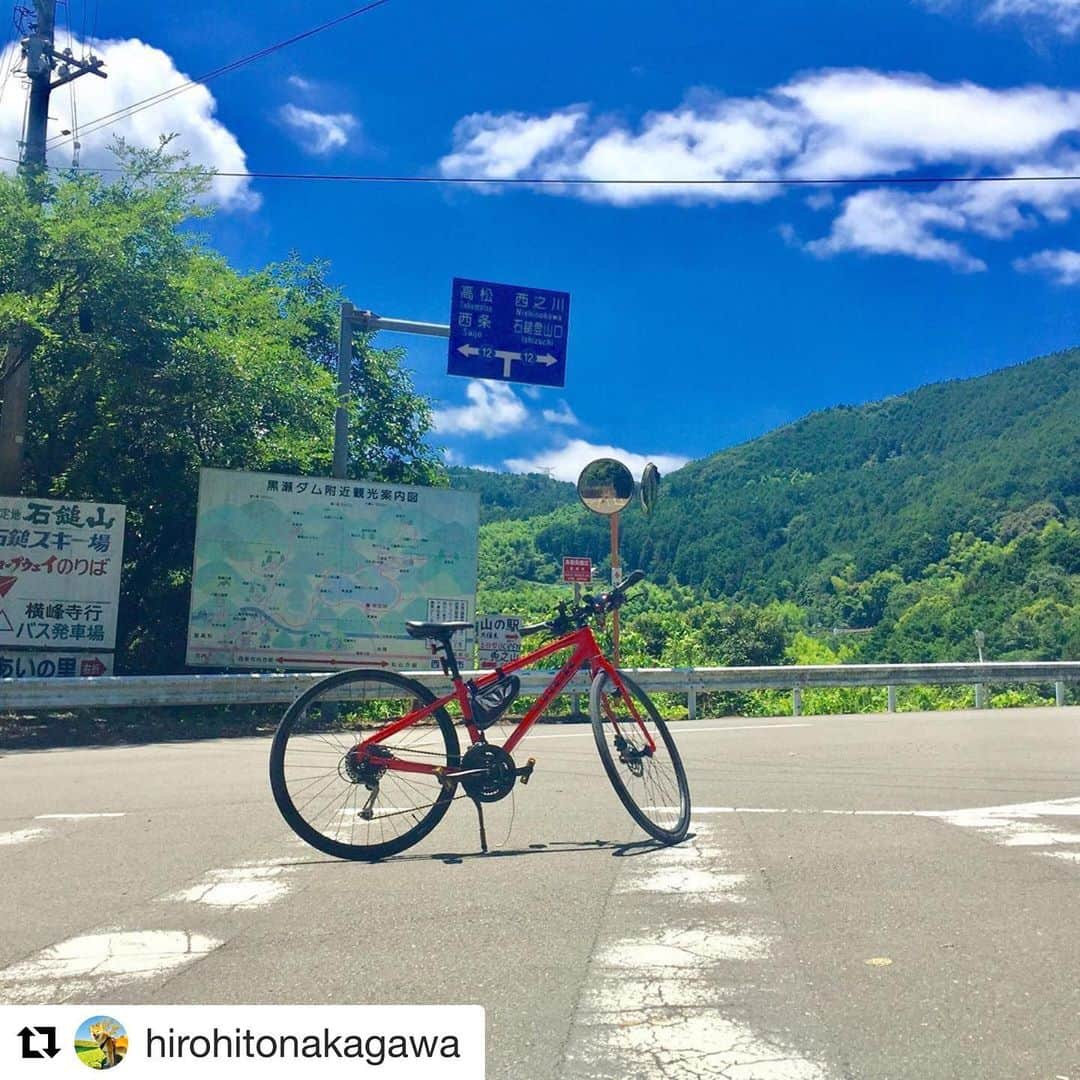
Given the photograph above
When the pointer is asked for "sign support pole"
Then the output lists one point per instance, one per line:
(352, 319)
(575, 699)
(344, 378)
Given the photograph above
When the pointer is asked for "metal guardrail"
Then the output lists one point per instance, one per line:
(142, 691)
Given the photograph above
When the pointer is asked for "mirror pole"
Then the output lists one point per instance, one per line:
(615, 578)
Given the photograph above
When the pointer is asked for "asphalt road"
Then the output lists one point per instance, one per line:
(872, 897)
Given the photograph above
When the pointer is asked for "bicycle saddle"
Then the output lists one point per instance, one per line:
(436, 631)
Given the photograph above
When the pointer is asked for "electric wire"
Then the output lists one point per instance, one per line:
(71, 88)
(108, 119)
(610, 181)
(10, 54)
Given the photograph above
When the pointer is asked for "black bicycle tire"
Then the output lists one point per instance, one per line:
(657, 832)
(296, 821)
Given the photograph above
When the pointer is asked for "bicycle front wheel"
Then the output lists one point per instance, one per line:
(352, 808)
(650, 781)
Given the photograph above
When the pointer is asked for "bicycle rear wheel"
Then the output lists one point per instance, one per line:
(651, 783)
(351, 809)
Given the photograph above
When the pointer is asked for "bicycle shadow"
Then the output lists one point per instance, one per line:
(618, 849)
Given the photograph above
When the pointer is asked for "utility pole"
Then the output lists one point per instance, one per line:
(42, 60)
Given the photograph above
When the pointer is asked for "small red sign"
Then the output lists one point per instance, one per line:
(5, 585)
(576, 569)
(92, 667)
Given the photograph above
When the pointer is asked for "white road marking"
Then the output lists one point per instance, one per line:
(1020, 824)
(691, 882)
(22, 836)
(699, 1043)
(677, 948)
(75, 817)
(657, 1003)
(95, 964)
(1011, 825)
(235, 887)
(678, 730)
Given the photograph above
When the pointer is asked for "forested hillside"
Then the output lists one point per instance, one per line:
(512, 495)
(877, 486)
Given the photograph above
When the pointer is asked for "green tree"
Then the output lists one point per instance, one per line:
(155, 357)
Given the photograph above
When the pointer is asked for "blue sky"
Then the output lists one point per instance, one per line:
(700, 316)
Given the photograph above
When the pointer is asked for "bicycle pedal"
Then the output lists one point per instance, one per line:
(526, 770)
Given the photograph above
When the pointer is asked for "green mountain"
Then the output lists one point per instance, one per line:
(867, 487)
(505, 496)
(874, 486)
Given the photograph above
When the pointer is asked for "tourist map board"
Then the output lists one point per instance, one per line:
(310, 572)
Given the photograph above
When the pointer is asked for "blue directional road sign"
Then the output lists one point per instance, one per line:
(508, 332)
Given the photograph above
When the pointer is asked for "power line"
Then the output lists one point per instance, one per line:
(11, 59)
(108, 119)
(543, 181)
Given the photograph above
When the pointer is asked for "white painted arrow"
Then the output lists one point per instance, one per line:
(507, 358)
(468, 350)
(547, 359)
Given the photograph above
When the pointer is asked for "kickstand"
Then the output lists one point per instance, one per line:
(480, 817)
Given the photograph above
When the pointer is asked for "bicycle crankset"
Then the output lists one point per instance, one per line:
(494, 775)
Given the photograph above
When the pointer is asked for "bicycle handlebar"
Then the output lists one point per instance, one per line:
(591, 606)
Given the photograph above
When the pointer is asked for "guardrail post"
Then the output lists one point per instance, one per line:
(980, 695)
(691, 703)
(1059, 694)
(796, 702)
(891, 692)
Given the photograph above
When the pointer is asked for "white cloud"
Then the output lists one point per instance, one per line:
(887, 222)
(864, 121)
(837, 123)
(562, 415)
(566, 462)
(318, 133)
(1062, 16)
(833, 123)
(298, 82)
(504, 145)
(494, 410)
(136, 71)
(1062, 265)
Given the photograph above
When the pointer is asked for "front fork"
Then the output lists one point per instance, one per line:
(628, 754)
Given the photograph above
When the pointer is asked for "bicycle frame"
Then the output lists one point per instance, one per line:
(586, 653)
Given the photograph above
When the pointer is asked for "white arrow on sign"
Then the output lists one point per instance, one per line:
(507, 358)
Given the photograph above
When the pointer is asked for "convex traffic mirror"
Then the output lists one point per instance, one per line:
(605, 486)
(650, 487)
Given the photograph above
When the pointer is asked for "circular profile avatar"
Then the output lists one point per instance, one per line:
(101, 1042)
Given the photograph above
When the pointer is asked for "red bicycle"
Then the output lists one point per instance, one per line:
(365, 763)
